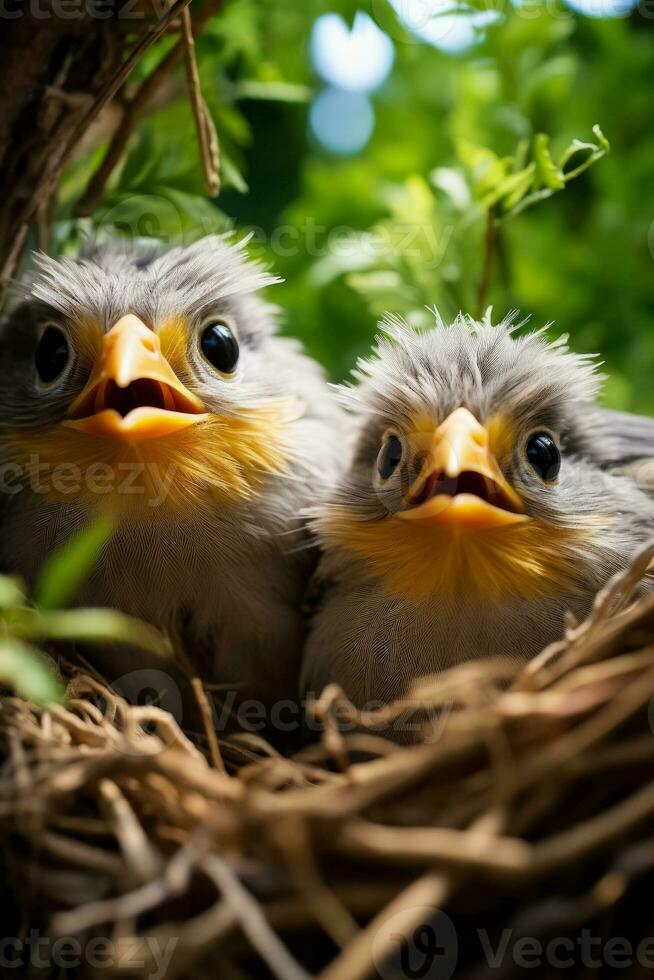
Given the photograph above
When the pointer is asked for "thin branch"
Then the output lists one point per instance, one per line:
(133, 109)
(114, 84)
(253, 922)
(459, 849)
(173, 881)
(140, 857)
(203, 123)
(288, 848)
(63, 149)
(207, 721)
(357, 961)
(14, 254)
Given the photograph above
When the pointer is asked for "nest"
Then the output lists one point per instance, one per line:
(516, 825)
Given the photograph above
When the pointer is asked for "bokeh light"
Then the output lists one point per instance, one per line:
(439, 23)
(357, 60)
(342, 122)
(602, 8)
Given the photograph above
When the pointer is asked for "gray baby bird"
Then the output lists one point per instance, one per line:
(487, 494)
(153, 388)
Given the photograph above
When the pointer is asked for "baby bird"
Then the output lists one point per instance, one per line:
(152, 387)
(487, 495)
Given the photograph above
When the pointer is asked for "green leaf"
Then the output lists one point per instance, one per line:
(486, 169)
(12, 592)
(29, 672)
(141, 164)
(601, 138)
(232, 176)
(547, 173)
(197, 216)
(277, 91)
(64, 573)
(90, 626)
(590, 152)
(542, 177)
(451, 182)
(514, 187)
(521, 155)
(526, 202)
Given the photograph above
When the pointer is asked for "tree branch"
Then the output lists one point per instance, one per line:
(66, 137)
(203, 123)
(133, 110)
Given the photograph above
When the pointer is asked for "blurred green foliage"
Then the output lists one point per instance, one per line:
(404, 224)
(28, 628)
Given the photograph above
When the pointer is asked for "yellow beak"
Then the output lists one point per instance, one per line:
(460, 483)
(133, 394)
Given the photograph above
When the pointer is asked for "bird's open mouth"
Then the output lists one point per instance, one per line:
(470, 499)
(467, 482)
(133, 394)
(462, 485)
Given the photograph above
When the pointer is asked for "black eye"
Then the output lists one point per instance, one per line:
(390, 456)
(51, 354)
(543, 455)
(220, 348)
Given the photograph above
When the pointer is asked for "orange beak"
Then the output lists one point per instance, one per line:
(133, 394)
(460, 484)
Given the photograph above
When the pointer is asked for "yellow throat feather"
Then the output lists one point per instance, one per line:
(526, 560)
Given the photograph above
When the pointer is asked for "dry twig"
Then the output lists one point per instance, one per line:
(531, 792)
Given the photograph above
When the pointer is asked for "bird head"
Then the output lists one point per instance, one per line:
(479, 467)
(165, 365)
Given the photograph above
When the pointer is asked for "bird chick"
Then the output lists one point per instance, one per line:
(484, 499)
(152, 387)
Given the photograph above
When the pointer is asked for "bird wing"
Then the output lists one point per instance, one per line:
(632, 446)
(632, 435)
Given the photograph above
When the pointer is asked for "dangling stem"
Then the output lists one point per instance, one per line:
(133, 111)
(203, 123)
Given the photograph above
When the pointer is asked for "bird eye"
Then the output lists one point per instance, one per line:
(220, 347)
(390, 456)
(51, 355)
(543, 455)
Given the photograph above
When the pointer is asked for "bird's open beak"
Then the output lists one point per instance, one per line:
(133, 394)
(460, 483)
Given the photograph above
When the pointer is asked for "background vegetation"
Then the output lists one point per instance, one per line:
(402, 221)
